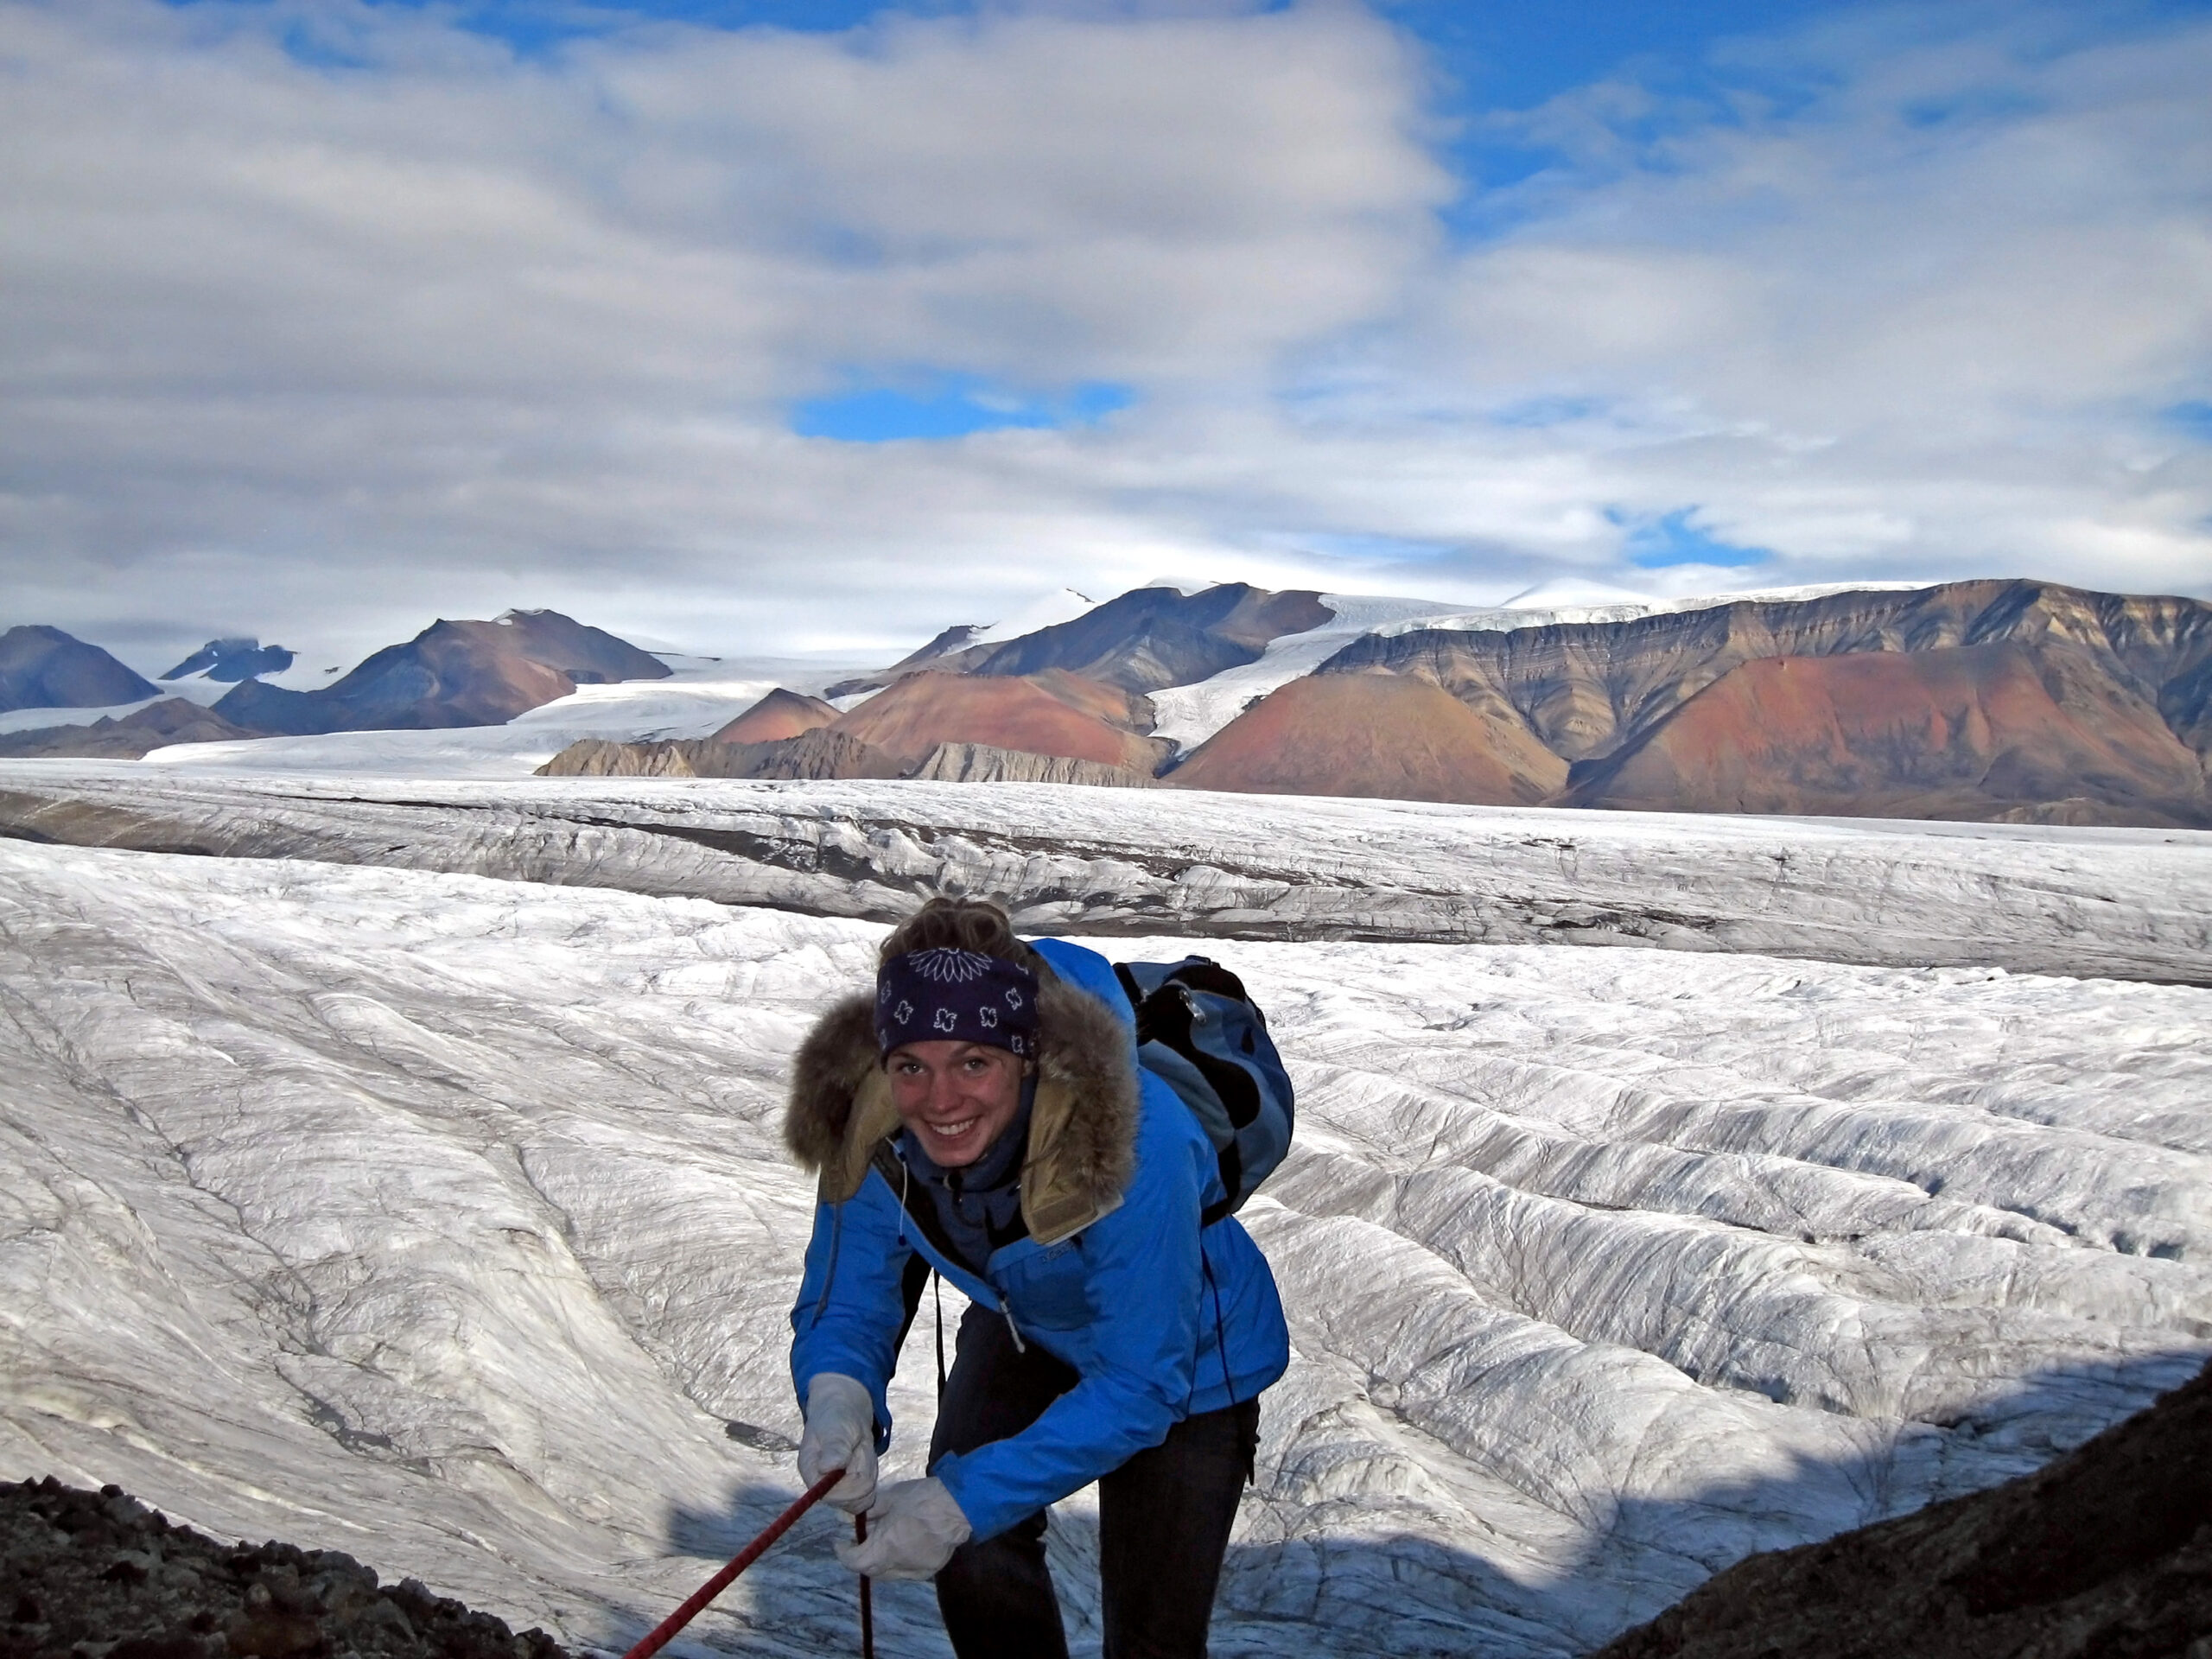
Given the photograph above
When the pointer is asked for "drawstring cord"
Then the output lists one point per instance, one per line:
(936, 1289)
(830, 1278)
(1220, 1335)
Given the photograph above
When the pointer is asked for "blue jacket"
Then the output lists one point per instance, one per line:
(1158, 1319)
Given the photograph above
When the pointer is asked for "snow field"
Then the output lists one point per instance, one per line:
(445, 1221)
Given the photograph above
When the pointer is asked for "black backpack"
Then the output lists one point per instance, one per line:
(1200, 1033)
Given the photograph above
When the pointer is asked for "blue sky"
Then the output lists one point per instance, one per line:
(733, 322)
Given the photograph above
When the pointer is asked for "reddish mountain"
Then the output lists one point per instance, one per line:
(1586, 689)
(1385, 736)
(1973, 732)
(452, 674)
(779, 715)
(1055, 714)
(45, 668)
(1972, 699)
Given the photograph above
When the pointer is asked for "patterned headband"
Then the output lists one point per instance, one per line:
(961, 996)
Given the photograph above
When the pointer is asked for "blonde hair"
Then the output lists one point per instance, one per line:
(973, 925)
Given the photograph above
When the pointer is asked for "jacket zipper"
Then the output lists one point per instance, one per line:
(926, 1223)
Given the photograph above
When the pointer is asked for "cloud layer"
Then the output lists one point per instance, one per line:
(326, 318)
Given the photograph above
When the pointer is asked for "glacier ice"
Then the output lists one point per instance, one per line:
(443, 1219)
(2134, 903)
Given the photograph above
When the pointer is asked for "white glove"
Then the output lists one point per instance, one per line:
(840, 1434)
(912, 1529)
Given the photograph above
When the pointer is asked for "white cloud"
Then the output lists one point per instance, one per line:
(319, 351)
(1927, 317)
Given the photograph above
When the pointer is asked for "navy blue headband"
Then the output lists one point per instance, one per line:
(961, 996)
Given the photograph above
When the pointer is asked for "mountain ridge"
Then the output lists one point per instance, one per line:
(1143, 640)
(2124, 674)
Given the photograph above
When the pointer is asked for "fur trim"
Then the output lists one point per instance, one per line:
(830, 1066)
(1083, 1128)
(1083, 1132)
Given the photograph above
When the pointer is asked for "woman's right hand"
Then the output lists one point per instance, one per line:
(840, 1434)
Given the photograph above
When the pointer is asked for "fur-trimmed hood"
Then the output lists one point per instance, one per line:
(1082, 1129)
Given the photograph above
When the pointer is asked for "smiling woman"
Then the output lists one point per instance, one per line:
(982, 1116)
(955, 1098)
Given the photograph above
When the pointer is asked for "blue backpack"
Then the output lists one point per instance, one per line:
(1200, 1033)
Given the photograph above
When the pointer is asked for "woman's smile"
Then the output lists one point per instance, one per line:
(957, 1098)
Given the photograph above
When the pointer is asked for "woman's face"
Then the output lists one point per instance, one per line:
(957, 1097)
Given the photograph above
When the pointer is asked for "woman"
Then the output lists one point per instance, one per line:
(982, 1115)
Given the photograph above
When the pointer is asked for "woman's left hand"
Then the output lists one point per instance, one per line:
(912, 1529)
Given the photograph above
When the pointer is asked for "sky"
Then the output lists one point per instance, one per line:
(787, 328)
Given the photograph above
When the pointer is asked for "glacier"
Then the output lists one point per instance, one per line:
(407, 1179)
(2130, 904)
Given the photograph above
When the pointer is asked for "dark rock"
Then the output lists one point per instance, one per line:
(175, 1645)
(182, 1596)
(2105, 1552)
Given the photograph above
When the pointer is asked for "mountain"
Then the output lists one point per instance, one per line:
(1971, 700)
(451, 674)
(233, 659)
(1973, 732)
(818, 753)
(1053, 727)
(1388, 736)
(978, 763)
(45, 668)
(2107, 1551)
(172, 719)
(1053, 713)
(958, 636)
(779, 715)
(1587, 689)
(1146, 639)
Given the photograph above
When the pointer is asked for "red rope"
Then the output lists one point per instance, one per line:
(666, 1630)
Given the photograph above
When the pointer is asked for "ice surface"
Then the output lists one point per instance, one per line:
(2127, 902)
(444, 1220)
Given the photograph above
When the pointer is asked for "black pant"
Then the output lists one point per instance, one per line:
(1163, 1516)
